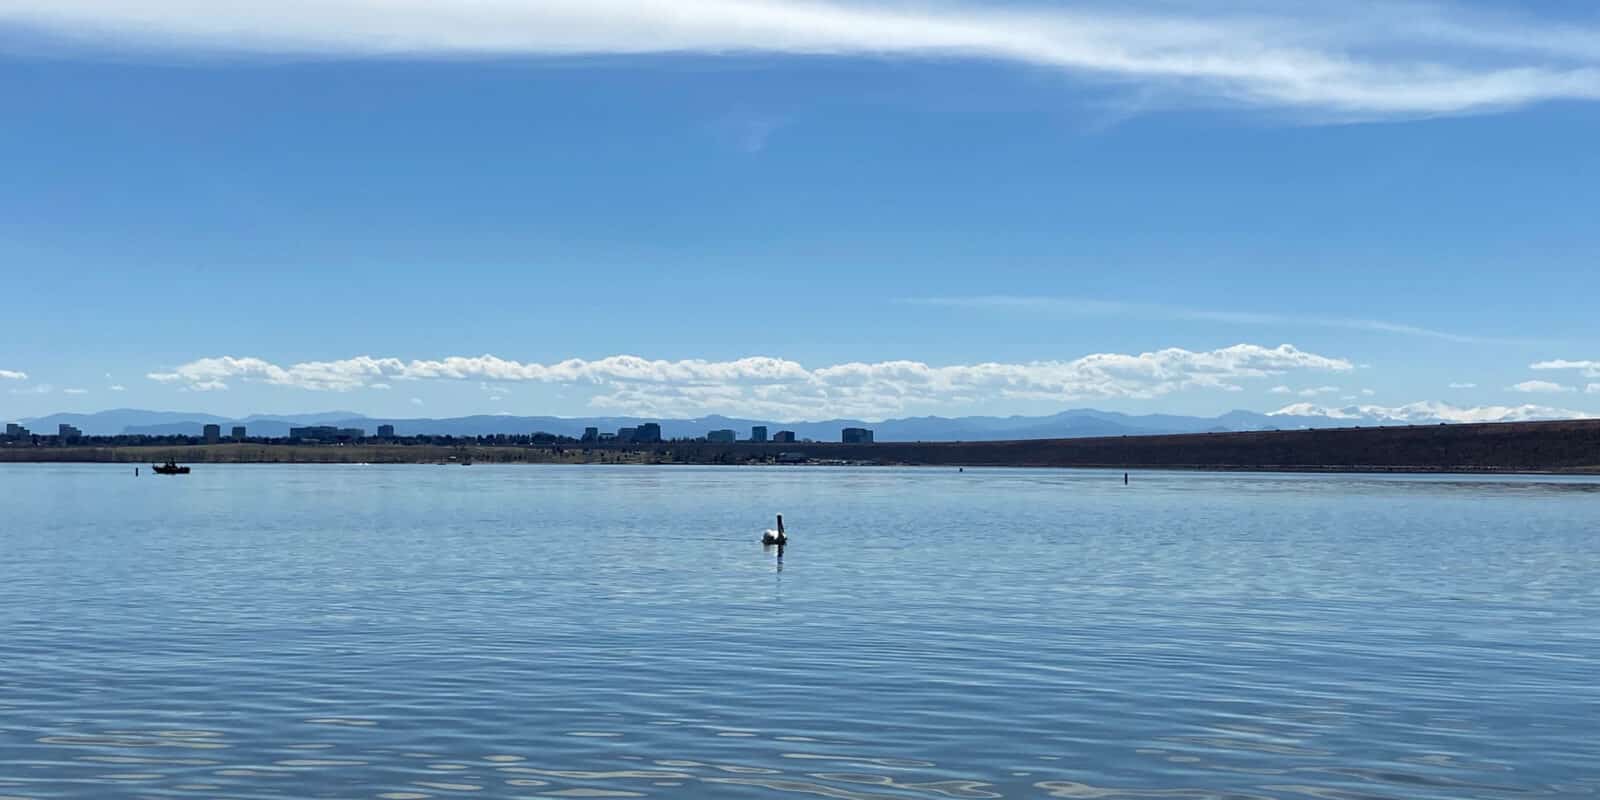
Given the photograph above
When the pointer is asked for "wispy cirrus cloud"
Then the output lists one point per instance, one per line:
(13, 375)
(786, 389)
(1362, 58)
(1073, 306)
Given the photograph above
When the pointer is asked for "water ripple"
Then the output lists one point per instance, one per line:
(405, 633)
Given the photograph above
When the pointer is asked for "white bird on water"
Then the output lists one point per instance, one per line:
(776, 537)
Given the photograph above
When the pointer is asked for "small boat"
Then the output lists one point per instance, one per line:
(169, 468)
(776, 537)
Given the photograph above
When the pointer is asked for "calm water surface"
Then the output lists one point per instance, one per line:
(417, 632)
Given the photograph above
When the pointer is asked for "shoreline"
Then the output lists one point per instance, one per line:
(1574, 472)
(1568, 447)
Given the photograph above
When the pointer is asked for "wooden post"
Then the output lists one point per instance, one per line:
(780, 524)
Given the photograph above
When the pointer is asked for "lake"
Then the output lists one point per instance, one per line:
(430, 631)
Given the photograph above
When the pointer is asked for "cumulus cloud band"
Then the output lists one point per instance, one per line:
(1426, 412)
(1588, 369)
(785, 388)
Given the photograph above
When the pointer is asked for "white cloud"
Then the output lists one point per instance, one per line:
(1538, 387)
(1588, 369)
(1463, 385)
(1431, 412)
(416, 401)
(1281, 390)
(74, 391)
(1084, 307)
(117, 387)
(1357, 58)
(1593, 388)
(786, 389)
(1368, 392)
(41, 388)
(1316, 390)
(12, 375)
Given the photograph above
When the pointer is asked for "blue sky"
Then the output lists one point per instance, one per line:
(798, 210)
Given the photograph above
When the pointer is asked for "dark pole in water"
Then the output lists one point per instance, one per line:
(135, 472)
(780, 525)
(1124, 479)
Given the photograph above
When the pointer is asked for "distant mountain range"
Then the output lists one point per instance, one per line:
(1075, 423)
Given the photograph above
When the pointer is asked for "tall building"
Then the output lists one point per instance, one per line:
(326, 433)
(758, 433)
(783, 436)
(591, 435)
(648, 432)
(15, 431)
(66, 433)
(213, 433)
(856, 436)
(238, 433)
(723, 436)
(385, 431)
(626, 434)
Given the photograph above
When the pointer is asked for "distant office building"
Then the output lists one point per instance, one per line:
(66, 434)
(326, 433)
(212, 433)
(783, 436)
(647, 433)
(608, 437)
(238, 433)
(385, 431)
(626, 434)
(15, 431)
(591, 435)
(856, 436)
(758, 433)
(722, 437)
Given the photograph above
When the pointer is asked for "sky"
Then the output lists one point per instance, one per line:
(798, 210)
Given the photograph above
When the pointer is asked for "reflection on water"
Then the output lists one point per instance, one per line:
(408, 633)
